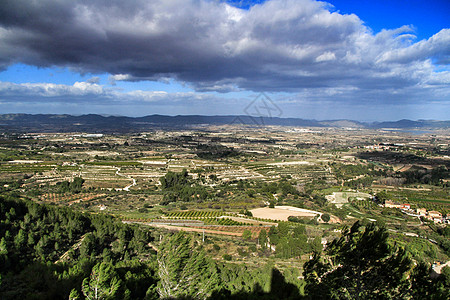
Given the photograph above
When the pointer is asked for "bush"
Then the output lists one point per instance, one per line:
(242, 252)
(247, 234)
(227, 257)
(296, 219)
(246, 212)
(326, 218)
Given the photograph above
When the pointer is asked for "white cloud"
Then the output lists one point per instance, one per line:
(9, 89)
(326, 57)
(85, 92)
(437, 46)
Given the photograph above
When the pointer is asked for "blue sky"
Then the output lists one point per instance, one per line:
(362, 60)
(427, 17)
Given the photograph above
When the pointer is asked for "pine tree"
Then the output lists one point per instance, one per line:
(184, 271)
(4, 263)
(103, 282)
(74, 295)
(426, 286)
(20, 239)
(360, 264)
(247, 234)
(3, 246)
(262, 238)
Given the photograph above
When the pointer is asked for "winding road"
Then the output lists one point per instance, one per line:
(127, 188)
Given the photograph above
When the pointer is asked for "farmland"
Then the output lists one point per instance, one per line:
(255, 194)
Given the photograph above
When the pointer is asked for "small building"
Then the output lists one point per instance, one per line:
(437, 268)
(405, 206)
(391, 204)
(435, 214)
(421, 211)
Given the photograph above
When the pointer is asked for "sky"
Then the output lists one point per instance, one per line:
(363, 60)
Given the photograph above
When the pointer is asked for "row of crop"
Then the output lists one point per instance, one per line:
(32, 168)
(263, 219)
(212, 221)
(224, 222)
(196, 214)
(189, 218)
(367, 204)
(114, 163)
(209, 214)
(239, 229)
(206, 221)
(56, 197)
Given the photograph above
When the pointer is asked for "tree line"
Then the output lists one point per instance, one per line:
(181, 187)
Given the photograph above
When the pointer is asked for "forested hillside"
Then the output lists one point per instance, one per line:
(47, 251)
(51, 252)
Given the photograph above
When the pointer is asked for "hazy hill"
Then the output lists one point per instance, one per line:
(99, 123)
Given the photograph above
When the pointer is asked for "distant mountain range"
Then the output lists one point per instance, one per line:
(99, 123)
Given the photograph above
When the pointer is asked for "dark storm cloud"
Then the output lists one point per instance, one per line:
(276, 46)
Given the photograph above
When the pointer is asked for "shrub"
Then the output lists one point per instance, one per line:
(247, 234)
(326, 218)
(227, 257)
(242, 252)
